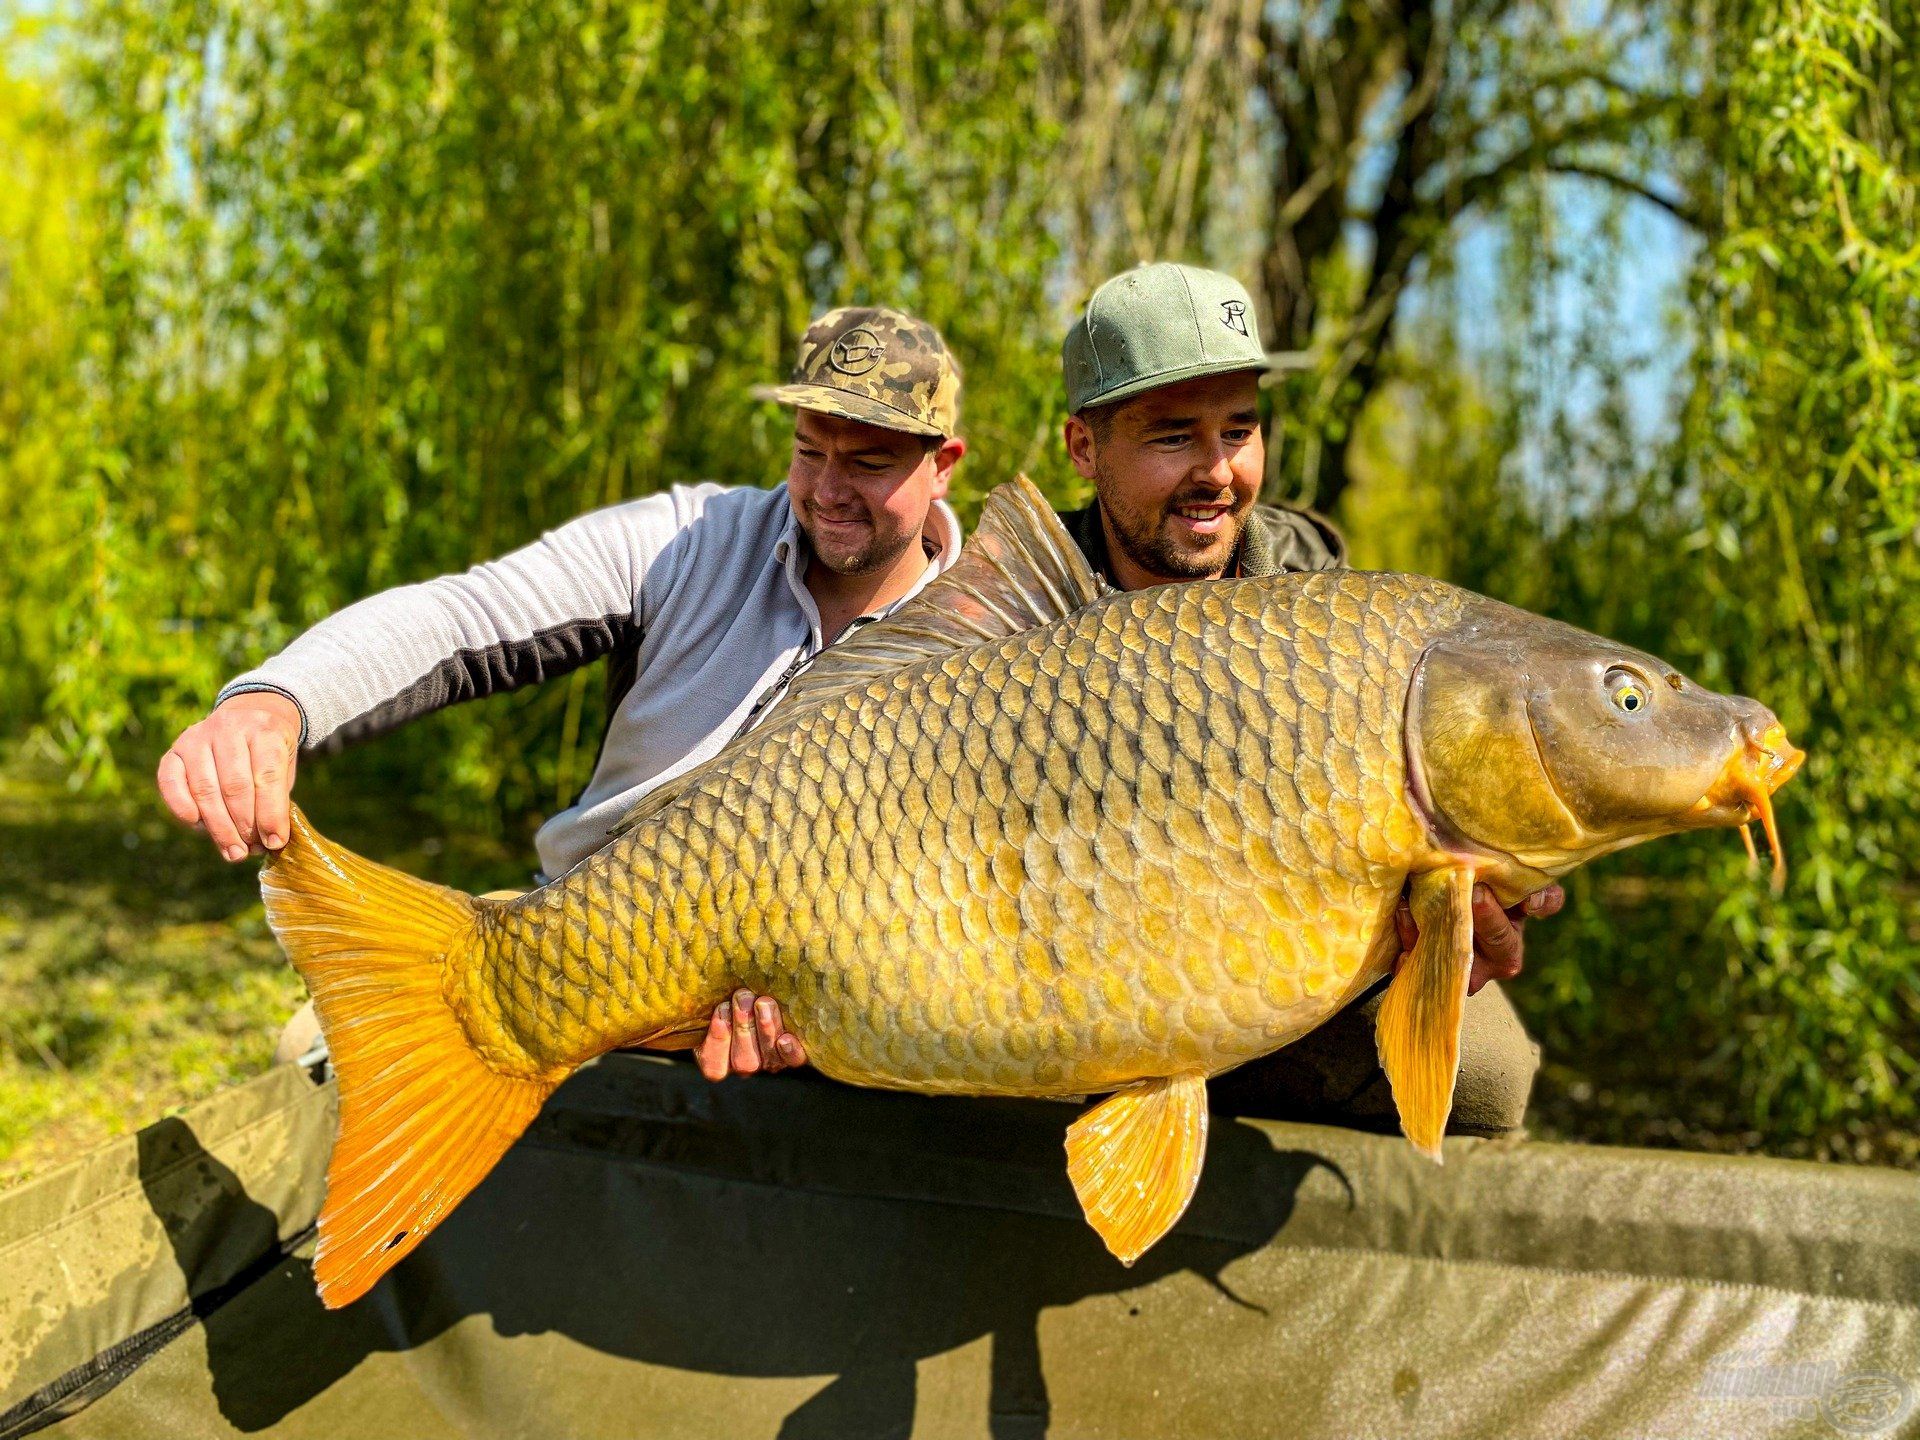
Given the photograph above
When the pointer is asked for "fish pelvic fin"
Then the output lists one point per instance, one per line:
(423, 1116)
(1135, 1160)
(1417, 1029)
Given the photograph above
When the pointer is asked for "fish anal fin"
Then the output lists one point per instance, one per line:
(1417, 1028)
(1135, 1159)
(423, 1116)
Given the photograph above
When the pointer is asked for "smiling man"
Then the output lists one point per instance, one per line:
(1163, 375)
(705, 600)
(1162, 372)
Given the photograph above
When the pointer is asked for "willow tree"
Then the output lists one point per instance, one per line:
(1769, 544)
(1806, 433)
(1330, 153)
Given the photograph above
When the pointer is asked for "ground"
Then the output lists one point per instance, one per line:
(137, 975)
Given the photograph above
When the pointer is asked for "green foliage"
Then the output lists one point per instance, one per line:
(1772, 548)
(387, 290)
(1807, 423)
(300, 299)
(46, 199)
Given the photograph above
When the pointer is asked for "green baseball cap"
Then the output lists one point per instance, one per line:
(880, 366)
(1156, 325)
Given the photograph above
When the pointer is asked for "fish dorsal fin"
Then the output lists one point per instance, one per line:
(1019, 570)
(1135, 1159)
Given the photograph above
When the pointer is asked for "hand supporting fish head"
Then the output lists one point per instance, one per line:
(1538, 747)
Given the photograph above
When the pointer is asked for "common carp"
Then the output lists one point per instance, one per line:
(1029, 837)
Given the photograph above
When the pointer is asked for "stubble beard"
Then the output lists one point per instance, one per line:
(875, 555)
(1143, 538)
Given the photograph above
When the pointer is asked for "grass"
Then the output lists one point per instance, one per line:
(137, 974)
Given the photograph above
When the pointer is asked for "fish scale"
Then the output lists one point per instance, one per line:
(1050, 863)
(1022, 838)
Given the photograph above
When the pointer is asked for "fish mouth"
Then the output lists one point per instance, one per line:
(1743, 792)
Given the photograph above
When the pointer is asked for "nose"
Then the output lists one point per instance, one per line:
(1216, 465)
(832, 487)
(1753, 719)
(1767, 742)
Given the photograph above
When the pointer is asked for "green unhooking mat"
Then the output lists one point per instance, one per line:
(660, 1257)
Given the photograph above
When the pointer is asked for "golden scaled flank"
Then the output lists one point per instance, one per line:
(1049, 864)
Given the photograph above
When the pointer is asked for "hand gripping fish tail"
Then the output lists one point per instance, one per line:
(424, 1115)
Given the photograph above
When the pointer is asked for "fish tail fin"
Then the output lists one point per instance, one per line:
(423, 1116)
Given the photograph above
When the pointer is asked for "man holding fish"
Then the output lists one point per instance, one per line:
(707, 601)
(1162, 375)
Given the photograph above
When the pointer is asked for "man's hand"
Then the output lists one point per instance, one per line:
(1498, 946)
(746, 1036)
(232, 774)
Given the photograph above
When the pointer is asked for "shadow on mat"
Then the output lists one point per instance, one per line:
(761, 1269)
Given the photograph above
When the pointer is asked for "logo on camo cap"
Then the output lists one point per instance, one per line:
(880, 366)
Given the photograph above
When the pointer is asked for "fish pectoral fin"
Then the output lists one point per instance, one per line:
(1135, 1159)
(1417, 1029)
(686, 1035)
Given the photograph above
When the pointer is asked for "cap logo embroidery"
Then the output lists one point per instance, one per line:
(856, 352)
(1233, 315)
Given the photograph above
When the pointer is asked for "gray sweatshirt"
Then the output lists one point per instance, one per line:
(698, 595)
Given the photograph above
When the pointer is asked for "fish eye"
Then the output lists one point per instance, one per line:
(1628, 695)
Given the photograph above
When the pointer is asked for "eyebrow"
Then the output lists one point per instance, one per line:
(865, 452)
(1249, 416)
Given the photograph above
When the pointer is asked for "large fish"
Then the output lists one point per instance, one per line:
(1029, 838)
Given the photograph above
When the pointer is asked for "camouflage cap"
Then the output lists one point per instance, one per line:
(880, 366)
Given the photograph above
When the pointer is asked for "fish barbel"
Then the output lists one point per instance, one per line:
(1029, 838)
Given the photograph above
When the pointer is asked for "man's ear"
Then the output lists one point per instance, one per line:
(1082, 448)
(944, 459)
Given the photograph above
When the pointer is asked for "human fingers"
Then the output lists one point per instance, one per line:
(171, 777)
(745, 1057)
(792, 1051)
(203, 783)
(1403, 922)
(1542, 903)
(711, 1053)
(767, 1027)
(1498, 948)
(235, 764)
(273, 764)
